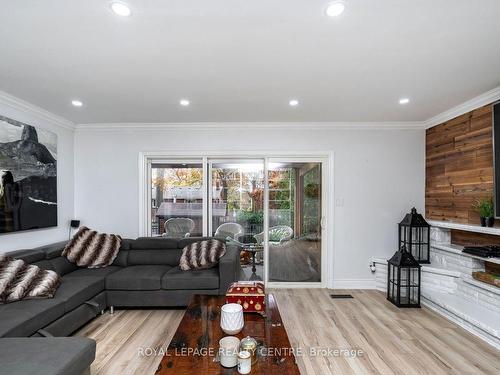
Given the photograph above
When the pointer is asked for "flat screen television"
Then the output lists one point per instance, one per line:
(496, 156)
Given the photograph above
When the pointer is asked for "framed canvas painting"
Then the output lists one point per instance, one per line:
(28, 172)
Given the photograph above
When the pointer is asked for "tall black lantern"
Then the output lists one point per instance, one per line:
(414, 235)
(403, 279)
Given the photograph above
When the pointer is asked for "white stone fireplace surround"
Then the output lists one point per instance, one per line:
(448, 287)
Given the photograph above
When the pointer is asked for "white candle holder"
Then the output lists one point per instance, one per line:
(231, 318)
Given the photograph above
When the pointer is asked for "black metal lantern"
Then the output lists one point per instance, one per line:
(403, 279)
(415, 235)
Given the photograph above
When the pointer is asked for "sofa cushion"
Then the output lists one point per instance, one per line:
(44, 264)
(100, 273)
(193, 279)
(29, 256)
(137, 278)
(126, 242)
(76, 290)
(168, 257)
(24, 318)
(46, 355)
(52, 250)
(153, 243)
(121, 258)
(62, 266)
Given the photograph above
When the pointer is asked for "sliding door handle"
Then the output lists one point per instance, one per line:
(323, 222)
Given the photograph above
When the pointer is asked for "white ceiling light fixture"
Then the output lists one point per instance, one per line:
(77, 103)
(184, 102)
(404, 101)
(293, 103)
(121, 9)
(335, 8)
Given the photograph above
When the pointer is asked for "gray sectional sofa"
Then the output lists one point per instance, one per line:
(144, 274)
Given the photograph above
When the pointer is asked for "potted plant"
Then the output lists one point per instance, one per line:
(485, 209)
(251, 220)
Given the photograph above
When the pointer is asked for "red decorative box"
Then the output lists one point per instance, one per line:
(250, 294)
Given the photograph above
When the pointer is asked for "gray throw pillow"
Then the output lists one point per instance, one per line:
(202, 254)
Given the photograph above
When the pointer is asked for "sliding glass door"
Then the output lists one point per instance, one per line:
(237, 209)
(295, 211)
(273, 209)
(177, 194)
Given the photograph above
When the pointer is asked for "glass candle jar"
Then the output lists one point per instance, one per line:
(249, 344)
(244, 362)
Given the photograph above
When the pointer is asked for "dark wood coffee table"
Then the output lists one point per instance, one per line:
(196, 341)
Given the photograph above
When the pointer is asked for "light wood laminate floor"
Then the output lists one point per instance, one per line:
(392, 340)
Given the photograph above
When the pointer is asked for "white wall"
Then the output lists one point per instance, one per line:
(379, 175)
(22, 111)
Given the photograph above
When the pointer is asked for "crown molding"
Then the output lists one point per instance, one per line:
(210, 126)
(479, 101)
(474, 103)
(21, 105)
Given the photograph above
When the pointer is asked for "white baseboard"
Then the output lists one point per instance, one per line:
(354, 284)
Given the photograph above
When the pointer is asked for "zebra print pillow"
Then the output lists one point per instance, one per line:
(90, 249)
(20, 280)
(202, 254)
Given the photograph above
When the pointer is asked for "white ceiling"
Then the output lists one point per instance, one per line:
(242, 60)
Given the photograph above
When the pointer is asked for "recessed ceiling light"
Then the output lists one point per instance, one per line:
(77, 103)
(121, 9)
(404, 101)
(184, 102)
(293, 103)
(335, 9)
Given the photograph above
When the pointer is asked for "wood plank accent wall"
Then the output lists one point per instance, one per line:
(459, 166)
(463, 238)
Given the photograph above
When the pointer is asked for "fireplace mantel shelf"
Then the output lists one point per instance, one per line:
(457, 249)
(464, 227)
